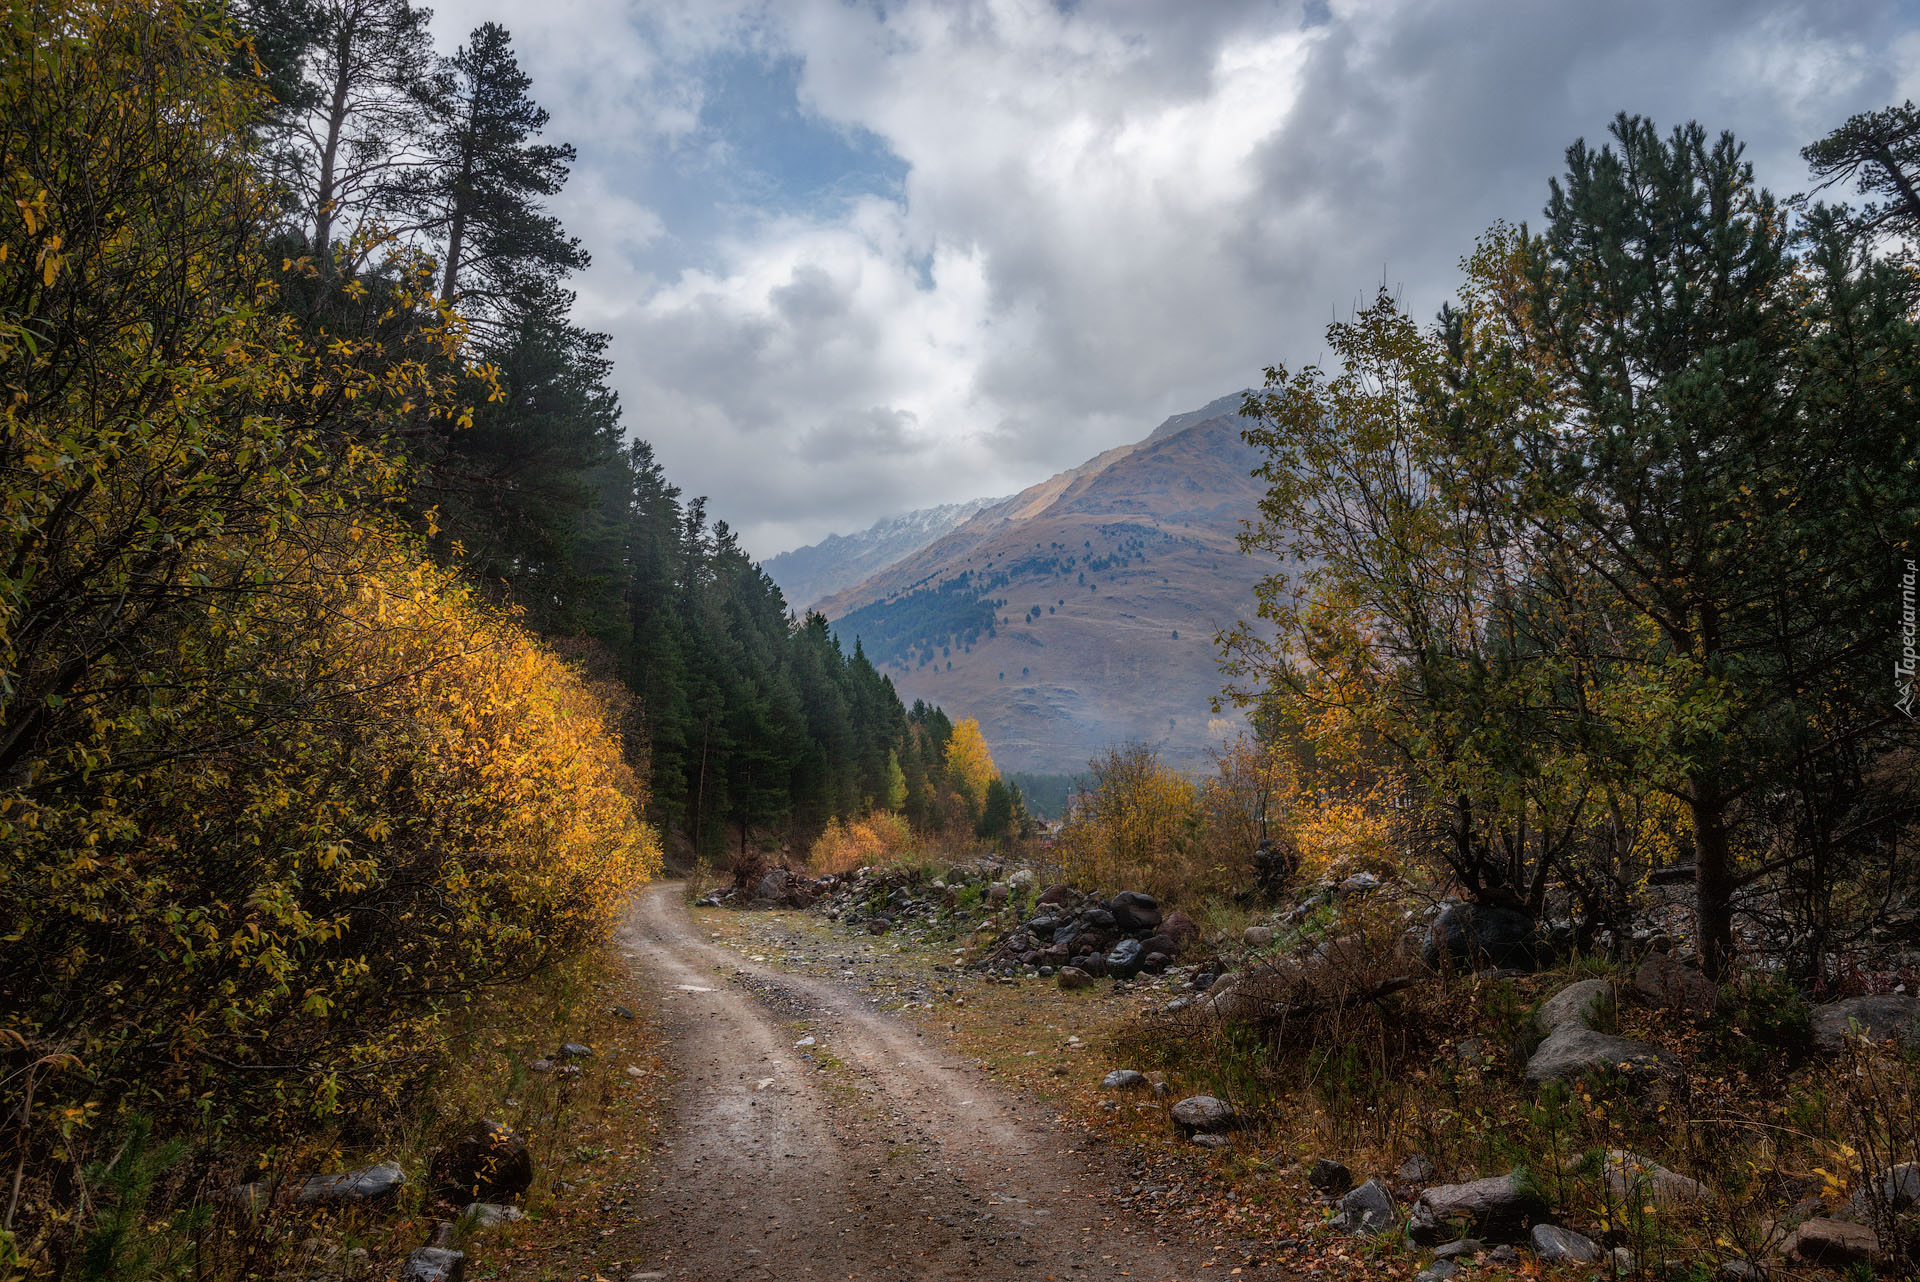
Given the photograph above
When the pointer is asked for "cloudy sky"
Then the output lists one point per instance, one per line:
(862, 256)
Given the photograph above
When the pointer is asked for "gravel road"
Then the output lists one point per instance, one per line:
(870, 1154)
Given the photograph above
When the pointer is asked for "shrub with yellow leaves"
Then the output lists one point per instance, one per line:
(881, 838)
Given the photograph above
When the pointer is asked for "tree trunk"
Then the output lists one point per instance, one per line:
(1712, 881)
(330, 156)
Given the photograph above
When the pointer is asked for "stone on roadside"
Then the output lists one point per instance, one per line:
(1416, 1169)
(1634, 1180)
(1072, 977)
(482, 1216)
(1580, 1004)
(1576, 1050)
(368, 1184)
(1330, 1177)
(1497, 1206)
(1367, 1210)
(1555, 1245)
(434, 1264)
(1124, 1079)
(1203, 1113)
(1257, 936)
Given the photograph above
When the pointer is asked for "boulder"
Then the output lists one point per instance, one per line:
(1498, 1206)
(1896, 1189)
(1203, 1113)
(1072, 977)
(1576, 1050)
(368, 1184)
(1330, 1177)
(1257, 936)
(481, 1216)
(1057, 894)
(487, 1162)
(1894, 1016)
(1555, 1245)
(1416, 1169)
(1180, 928)
(1135, 910)
(998, 893)
(1482, 937)
(1161, 943)
(1580, 1004)
(1359, 884)
(1468, 1246)
(1634, 1181)
(1155, 963)
(1367, 1210)
(1124, 1079)
(1126, 959)
(1022, 880)
(1670, 984)
(434, 1264)
(1832, 1244)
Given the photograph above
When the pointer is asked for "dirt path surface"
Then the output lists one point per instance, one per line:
(871, 1153)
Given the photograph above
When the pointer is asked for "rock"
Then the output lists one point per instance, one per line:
(1731, 1270)
(1180, 928)
(1330, 1177)
(1273, 867)
(1888, 1015)
(1160, 943)
(1458, 1247)
(1622, 1262)
(1833, 1244)
(998, 893)
(1438, 1271)
(1057, 894)
(1498, 1206)
(804, 1042)
(1257, 936)
(1367, 1210)
(774, 885)
(368, 1184)
(434, 1264)
(1211, 1141)
(1416, 1169)
(1895, 1189)
(1134, 911)
(1155, 963)
(1203, 1113)
(1580, 1004)
(1503, 1255)
(1576, 1050)
(1072, 977)
(1669, 984)
(1126, 959)
(574, 1050)
(879, 924)
(487, 1162)
(1483, 937)
(1359, 884)
(1099, 919)
(1124, 1079)
(482, 1216)
(1022, 880)
(540, 1066)
(1555, 1245)
(620, 1012)
(1634, 1181)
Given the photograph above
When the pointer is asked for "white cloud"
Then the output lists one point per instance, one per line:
(1110, 212)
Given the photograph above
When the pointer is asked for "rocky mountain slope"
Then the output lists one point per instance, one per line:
(841, 561)
(1082, 611)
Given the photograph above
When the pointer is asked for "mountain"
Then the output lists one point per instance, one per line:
(1081, 612)
(841, 561)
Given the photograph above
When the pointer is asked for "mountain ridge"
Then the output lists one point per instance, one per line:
(807, 575)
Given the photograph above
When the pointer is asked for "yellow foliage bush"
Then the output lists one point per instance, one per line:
(881, 838)
(1137, 827)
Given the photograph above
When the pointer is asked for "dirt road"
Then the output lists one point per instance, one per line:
(868, 1154)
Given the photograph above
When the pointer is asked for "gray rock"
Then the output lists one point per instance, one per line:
(1438, 1271)
(1205, 1140)
(1416, 1169)
(1669, 984)
(1833, 1244)
(1895, 1189)
(1458, 1247)
(1367, 1210)
(1576, 1050)
(1072, 977)
(1503, 1254)
(368, 1184)
(1498, 1206)
(1483, 937)
(1555, 1245)
(1134, 910)
(575, 1050)
(1878, 1018)
(1022, 880)
(1257, 936)
(1359, 884)
(481, 1216)
(1204, 1113)
(1580, 1004)
(998, 893)
(434, 1264)
(540, 1066)
(1330, 1177)
(1634, 1181)
(1126, 959)
(1124, 1079)
(1621, 1259)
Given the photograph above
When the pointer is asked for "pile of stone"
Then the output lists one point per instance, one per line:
(1080, 936)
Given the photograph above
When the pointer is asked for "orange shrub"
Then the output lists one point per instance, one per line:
(881, 838)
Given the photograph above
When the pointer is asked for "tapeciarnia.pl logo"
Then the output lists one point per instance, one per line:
(1904, 666)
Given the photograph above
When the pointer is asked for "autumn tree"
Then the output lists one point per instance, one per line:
(969, 765)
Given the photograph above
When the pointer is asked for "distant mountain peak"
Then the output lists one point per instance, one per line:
(810, 574)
